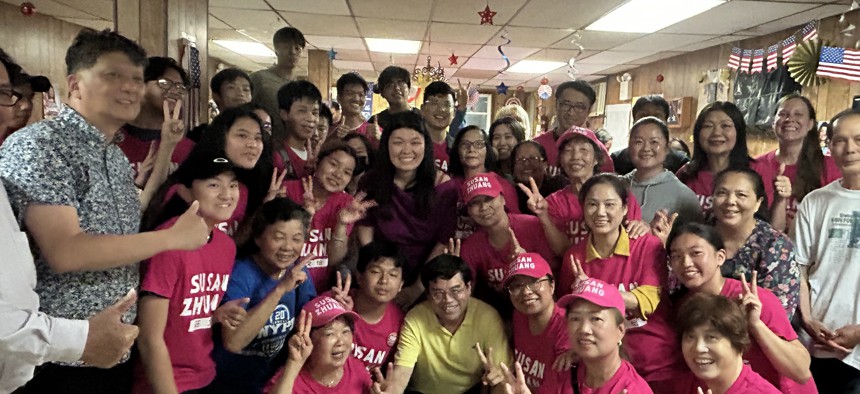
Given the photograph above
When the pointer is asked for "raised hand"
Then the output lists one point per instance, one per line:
(173, 128)
(517, 250)
(579, 274)
(515, 382)
(300, 346)
(108, 338)
(340, 291)
(190, 231)
(310, 202)
(232, 313)
(637, 228)
(276, 186)
(462, 95)
(356, 210)
(536, 202)
(380, 384)
(453, 247)
(781, 184)
(749, 299)
(700, 391)
(373, 129)
(145, 167)
(661, 225)
(295, 275)
(342, 130)
(492, 375)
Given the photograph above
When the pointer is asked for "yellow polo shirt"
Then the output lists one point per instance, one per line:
(446, 363)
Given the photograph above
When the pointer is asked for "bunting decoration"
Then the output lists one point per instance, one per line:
(746, 58)
(810, 31)
(735, 59)
(772, 57)
(767, 59)
(757, 61)
(788, 47)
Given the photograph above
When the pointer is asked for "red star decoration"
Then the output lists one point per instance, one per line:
(453, 59)
(487, 16)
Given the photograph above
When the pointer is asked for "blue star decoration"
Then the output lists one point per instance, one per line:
(502, 89)
(332, 54)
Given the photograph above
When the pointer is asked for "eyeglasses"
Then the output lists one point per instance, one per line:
(465, 146)
(168, 85)
(447, 106)
(565, 106)
(440, 295)
(517, 288)
(530, 160)
(9, 97)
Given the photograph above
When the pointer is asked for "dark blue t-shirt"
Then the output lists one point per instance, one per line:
(249, 371)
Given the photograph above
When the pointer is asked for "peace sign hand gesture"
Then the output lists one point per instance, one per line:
(172, 129)
(462, 95)
(276, 186)
(517, 250)
(453, 247)
(293, 277)
(340, 292)
(536, 202)
(356, 210)
(492, 375)
(662, 224)
(300, 345)
(310, 202)
(515, 384)
(749, 299)
(579, 274)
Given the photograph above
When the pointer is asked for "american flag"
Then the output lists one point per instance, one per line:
(735, 58)
(746, 57)
(839, 63)
(772, 57)
(788, 46)
(758, 59)
(809, 32)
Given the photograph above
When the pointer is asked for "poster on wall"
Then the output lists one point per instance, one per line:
(756, 95)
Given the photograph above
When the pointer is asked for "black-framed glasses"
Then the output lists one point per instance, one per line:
(565, 106)
(9, 97)
(516, 289)
(465, 146)
(168, 85)
(530, 160)
(440, 295)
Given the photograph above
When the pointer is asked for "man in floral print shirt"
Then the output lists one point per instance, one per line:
(72, 191)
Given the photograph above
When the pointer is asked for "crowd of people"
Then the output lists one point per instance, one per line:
(290, 245)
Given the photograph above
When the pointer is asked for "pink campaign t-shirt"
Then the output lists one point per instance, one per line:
(355, 380)
(703, 183)
(194, 283)
(440, 155)
(769, 167)
(374, 344)
(230, 226)
(322, 225)
(748, 382)
(773, 316)
(537, 353)
(566, 213)
(625, 378)
(489, 265)
(297, 164)
(136, 149)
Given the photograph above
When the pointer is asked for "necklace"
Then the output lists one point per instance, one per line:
(338, 374)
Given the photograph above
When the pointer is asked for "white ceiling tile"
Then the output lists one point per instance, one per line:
(489, 52)
(215, 23)
(249, 19)
(661, 42)
(483, 64)
(710, 43)
(464, 74)
(226, 34)
(531, 36)
(590, 78)
(96, 24)
(516, 76)
(796, 20)
(460, 33)
(597, 40)
(619, 69)
(560, 55)
(656, 57)
(244, 4)
(346, 65)
(322, 25)
(352, 54)
(735, 16)
(326, 7)
(567, 14)
(336, 42)
(404, 10)
(393, 29)
(101, 9)
(458, 12)
(613, 57)
(378, 57)
(582, 68)
(445, 48)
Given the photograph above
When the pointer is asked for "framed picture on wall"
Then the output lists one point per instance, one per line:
(680, 112)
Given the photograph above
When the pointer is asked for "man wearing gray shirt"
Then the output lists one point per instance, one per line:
(289, 43)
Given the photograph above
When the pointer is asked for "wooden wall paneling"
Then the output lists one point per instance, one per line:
(127, 18)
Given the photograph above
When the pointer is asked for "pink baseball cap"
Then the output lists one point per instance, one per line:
(324, 309)
(597, 292)
(481, 185)
(575, 131)
(529, 264)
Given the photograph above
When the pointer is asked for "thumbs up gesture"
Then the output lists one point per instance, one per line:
(781, 184)
(108, 338)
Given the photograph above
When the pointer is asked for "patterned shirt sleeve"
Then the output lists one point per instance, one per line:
(778, 271)
(34, 172)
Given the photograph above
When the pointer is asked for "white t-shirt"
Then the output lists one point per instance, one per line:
(827, 241)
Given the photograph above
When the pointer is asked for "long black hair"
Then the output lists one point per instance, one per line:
(738, 157)
(379, 182)
(455, 163)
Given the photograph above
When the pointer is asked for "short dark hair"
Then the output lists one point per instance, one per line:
(517, 128)
(156, 66)
(289, 35)
(717, 311)
(296, 91)
(664, 130)
(605, 178)
(89, 45)
(436, 88)
(682, 143)
(580, 86)
(325, 112)
(757, 183)
(12, 68)
(390, 74)
(444, 266)
(651, 99)
(336, 145)
(350, 79)
(603, 136)
(271, 212)
(516, 150)
(379, 249)
(455, 162)
(228, 75)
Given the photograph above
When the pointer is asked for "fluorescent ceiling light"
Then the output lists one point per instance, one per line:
(648, 16)
(249, 48)
(535, 66)
(392, 46)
